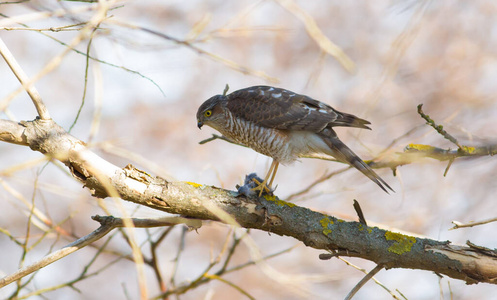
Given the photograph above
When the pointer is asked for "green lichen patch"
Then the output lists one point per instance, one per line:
(325, 222)
(278, 201)
(403, 243)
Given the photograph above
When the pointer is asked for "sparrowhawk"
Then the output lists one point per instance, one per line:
(283, 125)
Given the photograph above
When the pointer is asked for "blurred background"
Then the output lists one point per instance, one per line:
(142, 96)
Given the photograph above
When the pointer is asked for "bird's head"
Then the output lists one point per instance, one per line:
(211, 112)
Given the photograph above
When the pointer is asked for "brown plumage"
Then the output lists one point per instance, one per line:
(283, 125)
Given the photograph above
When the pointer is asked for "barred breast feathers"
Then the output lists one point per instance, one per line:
(268, 141)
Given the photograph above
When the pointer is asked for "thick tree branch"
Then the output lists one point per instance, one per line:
(268, 213)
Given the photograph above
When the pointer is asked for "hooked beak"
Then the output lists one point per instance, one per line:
(200, 124)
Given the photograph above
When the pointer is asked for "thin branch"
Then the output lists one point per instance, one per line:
(27, 83)
(185, 287)
(154, 260)
(83, 275)
(181, 247)
(48, 14)
(229, 63)
(236, 242)
(91, 57)
(149, 223)
(71, 27)
(85, 85)
(252, 262)
(216, 137)
(107, 224)
(45, 261)
(226, 88)
(239, 289)
(24, 80)
(373, 278)
(316, 182)
(458, 225)
(317, 35)
(359, 212)
(363, 281)
(438, 128)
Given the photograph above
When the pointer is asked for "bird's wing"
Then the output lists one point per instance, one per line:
(282, 109)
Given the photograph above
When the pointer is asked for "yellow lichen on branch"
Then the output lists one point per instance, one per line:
(403, 243)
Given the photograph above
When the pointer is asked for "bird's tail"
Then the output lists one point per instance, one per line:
(343, 153)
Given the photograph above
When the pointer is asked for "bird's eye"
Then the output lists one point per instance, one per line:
(208, 113)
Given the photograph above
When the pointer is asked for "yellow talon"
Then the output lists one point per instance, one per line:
(261, 186)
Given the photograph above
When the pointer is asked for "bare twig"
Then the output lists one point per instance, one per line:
(458, 225)
(438, 128)
(27, 83)
(229, 63)
(215, 137)
(363, 281)
(373, 278)
(397, 52)
(106, 225)
(47, 14)
(24, 80)
(85, 86)
(71, 27)
(149, 223)
(185, 287)
(226, 88)
(89, 56)
(359, 212)
(181, 247)
(317, 35)
(316, 182)
(202, 278)
(154, 260)
(45, 261)
(242, 291)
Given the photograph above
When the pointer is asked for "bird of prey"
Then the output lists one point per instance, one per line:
(284, 126)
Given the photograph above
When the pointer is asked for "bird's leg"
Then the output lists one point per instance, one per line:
(276, 164)
(261, 186)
